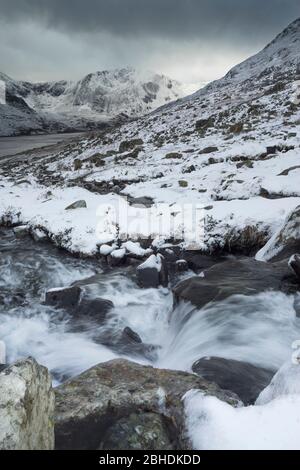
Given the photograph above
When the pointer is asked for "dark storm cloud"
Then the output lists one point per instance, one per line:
(191, 40)
(166, 18)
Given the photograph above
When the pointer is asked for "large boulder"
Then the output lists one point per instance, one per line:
(26, 407)
(153, 272)
(124, 405)
(235, 277)
(242, 378)
(285, 242)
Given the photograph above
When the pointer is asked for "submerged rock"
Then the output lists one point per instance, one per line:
(26, 407)
(112, 405)
(235, 277)
(242, 378)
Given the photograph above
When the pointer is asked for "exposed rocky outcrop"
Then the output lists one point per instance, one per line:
(244, 379)
(26, 407)
(235, 277)
(285, 242)
(120, 403)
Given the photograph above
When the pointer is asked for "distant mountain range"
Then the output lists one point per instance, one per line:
(95, 101)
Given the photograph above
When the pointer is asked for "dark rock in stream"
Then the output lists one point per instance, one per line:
(295, 265)
(74, 301)
(236, 277)
(67, 297)
(115, 404)
(153, 272)
(130, 336)
(242, 378)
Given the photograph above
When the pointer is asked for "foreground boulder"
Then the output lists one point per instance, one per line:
(124, 405)
(26, 407)
(235, 277)
(244, 379)
(285, 242)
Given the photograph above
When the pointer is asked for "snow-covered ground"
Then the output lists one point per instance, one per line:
(232, 150)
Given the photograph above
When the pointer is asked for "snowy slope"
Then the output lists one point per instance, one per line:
(95, 99)
(233, 148)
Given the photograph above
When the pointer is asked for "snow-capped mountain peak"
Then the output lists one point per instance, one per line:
(94, 100)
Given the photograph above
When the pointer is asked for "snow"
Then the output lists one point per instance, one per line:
(286, 382)
(118, 254)
(98, 97)
(106, 250)
(136, 249)
(215, 425)
(153, 262)
(204, 201)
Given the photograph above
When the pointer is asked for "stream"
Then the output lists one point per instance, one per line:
(258, 329)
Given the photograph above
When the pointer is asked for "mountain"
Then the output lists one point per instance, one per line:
(87, 104)
(232, 148)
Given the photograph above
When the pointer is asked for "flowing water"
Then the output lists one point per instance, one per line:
(258, 329)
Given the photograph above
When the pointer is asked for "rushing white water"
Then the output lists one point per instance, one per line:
(258, 329)
(28, 327)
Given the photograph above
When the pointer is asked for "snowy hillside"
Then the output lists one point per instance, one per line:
(232, 148)
(94, 100)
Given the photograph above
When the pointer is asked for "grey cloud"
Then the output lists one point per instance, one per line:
(166, 18)
(191, 40)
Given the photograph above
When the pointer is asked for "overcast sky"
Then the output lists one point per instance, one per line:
(190, 40)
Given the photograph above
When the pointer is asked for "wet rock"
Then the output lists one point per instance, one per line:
(286, 242)
(92, 410)
(182, 265)
(77, 205)
(66, 297)
(235, 277)
(74, 301)
(93, 308)
(130, 336)
(198, 262)
(294, 263)
(26, 407)
(153, 272)
(21, 231)
(242, 378)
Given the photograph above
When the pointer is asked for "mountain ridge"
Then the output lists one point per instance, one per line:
(90, 103)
